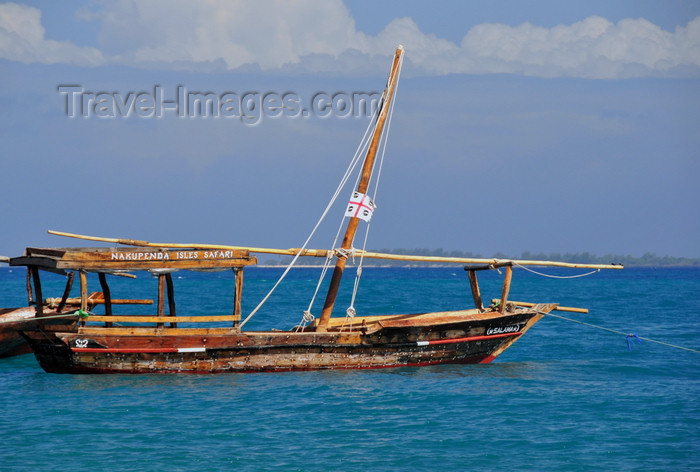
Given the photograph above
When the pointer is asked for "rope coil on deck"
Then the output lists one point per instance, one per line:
(306, 318)
(350, 314)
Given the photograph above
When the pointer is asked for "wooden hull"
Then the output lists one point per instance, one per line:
(14, 320)
(462, 337)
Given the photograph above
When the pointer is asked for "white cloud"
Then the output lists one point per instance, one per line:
(310, 36)
(22, 39)
(594, 48)
(269, 34)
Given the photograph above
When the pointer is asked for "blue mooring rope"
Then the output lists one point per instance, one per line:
(632, 337)
(628, 337)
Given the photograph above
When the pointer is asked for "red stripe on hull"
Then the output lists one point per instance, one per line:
(487, 359)
(167, 350)
(473, 338)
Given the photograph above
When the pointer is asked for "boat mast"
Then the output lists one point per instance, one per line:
(362, 187)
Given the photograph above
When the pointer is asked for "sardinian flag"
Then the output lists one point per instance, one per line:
(360, 206)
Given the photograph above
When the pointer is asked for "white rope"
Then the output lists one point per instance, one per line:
(346, 176)
(348, 172)
(307, 317)
(349, 315)
(556, 276)
(356, 286)
(361, 150)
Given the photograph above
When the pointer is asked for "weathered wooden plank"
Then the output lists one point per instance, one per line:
(55, 252)
(42, 262)
(557, 308)
(153, 331)
(163, 319)
(157, 258)
(131, 258)
(416, 318)
(100, 301)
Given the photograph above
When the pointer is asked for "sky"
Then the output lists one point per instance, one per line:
(541, 126)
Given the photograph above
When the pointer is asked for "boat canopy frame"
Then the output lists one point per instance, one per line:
(122, 261)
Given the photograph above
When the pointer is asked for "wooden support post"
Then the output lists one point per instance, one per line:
(506, 288)
(66, 292)
(83, 290)
(476, 292)
(30, 293)
(238, 293)
(83, 294)
(37, 290)
(107, 297)
(171, 298)
(161, 297)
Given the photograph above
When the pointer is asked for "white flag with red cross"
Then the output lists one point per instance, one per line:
(360, 206)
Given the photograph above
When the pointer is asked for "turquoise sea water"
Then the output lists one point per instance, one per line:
(564, 397)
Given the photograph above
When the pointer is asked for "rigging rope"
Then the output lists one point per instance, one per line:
(339, 188)
(307, 317)
(556, 276)
(627, 335)
(340, 252)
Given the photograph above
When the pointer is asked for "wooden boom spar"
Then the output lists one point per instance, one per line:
(355, 253)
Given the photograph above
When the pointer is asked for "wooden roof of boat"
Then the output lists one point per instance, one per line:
(133, 258)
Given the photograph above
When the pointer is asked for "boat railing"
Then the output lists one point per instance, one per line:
(158, 321)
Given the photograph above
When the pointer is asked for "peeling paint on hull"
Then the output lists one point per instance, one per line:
(97, 351)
